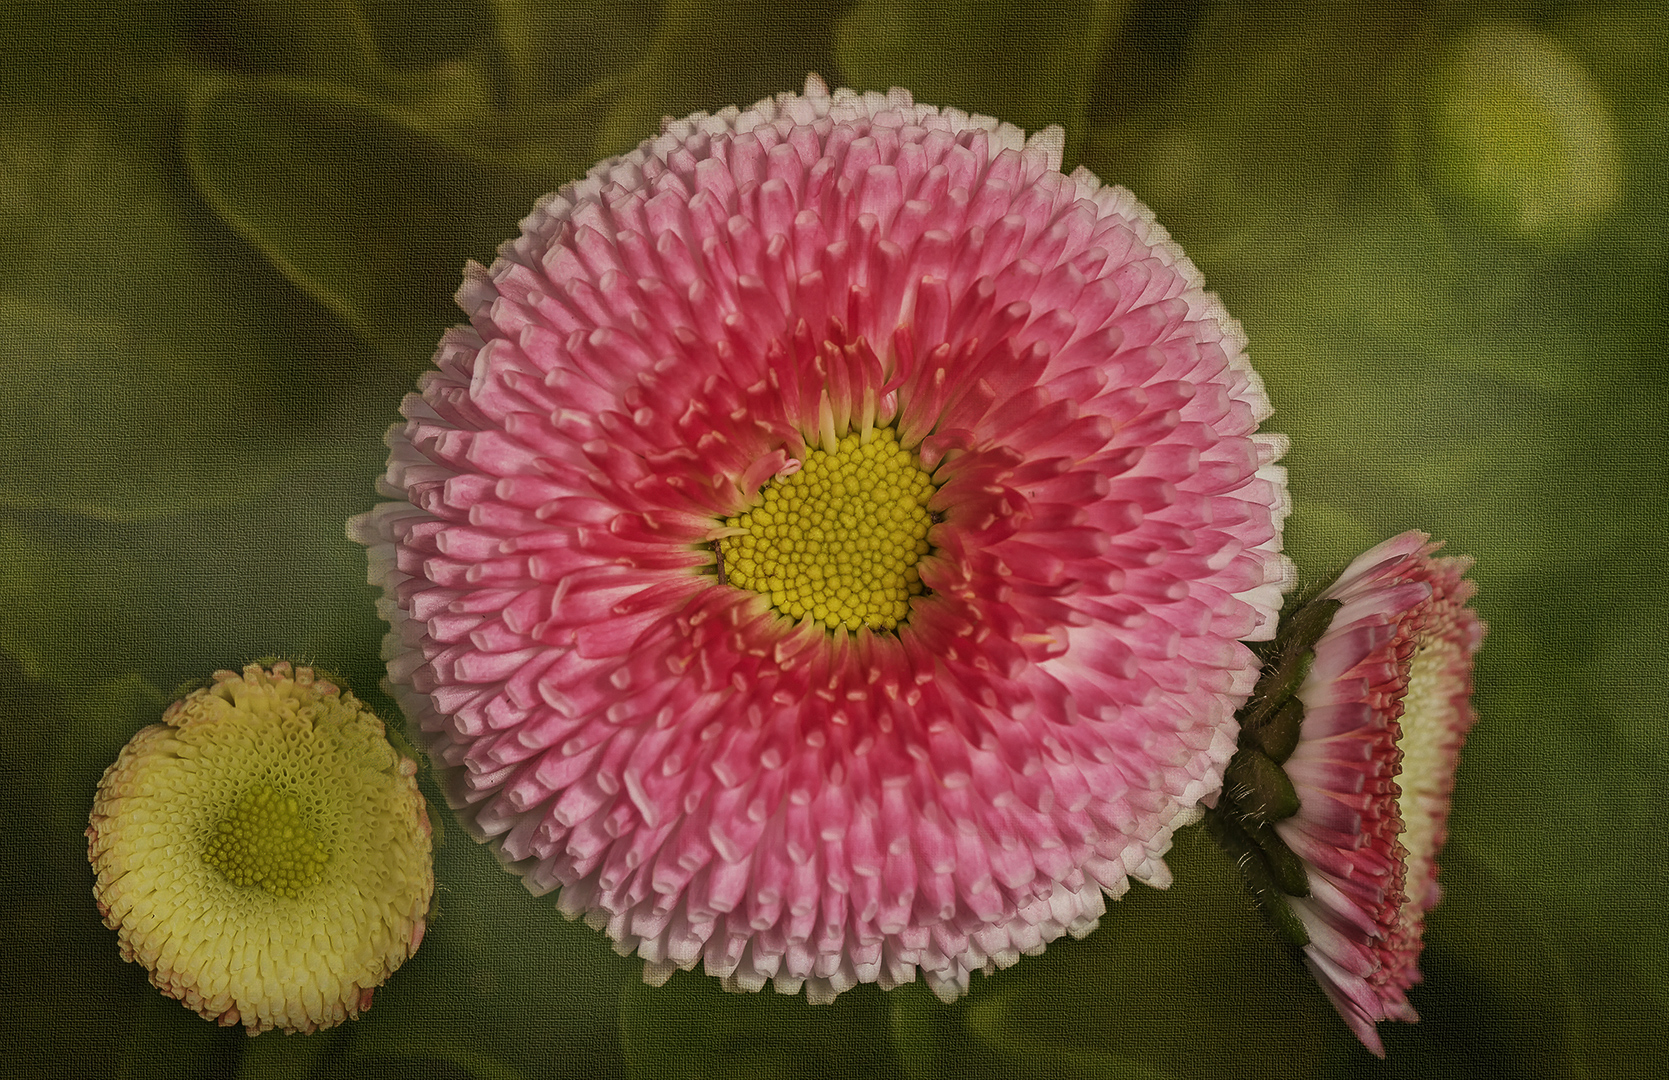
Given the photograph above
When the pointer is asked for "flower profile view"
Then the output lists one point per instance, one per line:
(1338, 800)
(264, 852)
(827, 551)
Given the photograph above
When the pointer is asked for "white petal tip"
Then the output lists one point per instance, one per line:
(1052, 141)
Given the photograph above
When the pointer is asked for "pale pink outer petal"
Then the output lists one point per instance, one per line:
(705, 781)
(1396, 658)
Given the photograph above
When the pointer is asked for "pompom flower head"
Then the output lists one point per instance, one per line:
(264, 852)
(1338, 801)
(826, 553)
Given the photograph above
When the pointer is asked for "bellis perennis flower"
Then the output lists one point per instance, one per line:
(826, 552)
(1338, 801)
(264, 852)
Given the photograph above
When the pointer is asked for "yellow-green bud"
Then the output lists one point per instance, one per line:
(1519, 138)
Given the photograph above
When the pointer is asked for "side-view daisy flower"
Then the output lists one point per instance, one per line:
(264, 852)
(1337, 802)
(826, 552)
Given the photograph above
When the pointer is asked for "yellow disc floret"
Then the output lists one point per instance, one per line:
(264, 852)
(839, 539)
(1431, 714)
(264, 842)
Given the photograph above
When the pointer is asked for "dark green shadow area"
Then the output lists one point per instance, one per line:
(692, 1029)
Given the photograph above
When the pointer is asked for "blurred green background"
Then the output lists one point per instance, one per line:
(229, 234)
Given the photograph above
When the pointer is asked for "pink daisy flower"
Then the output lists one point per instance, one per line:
(826, 553)
(1384, 707)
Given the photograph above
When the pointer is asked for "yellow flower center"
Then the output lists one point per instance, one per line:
(264, 841)
(839, 539)
(1429, 715)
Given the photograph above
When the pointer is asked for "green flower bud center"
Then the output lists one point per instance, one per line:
(839, 539)
(265, 842)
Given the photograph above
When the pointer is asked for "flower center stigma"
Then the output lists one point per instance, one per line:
(839, 539)
(264, 842)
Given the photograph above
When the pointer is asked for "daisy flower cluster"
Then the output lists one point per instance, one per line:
(828, 555)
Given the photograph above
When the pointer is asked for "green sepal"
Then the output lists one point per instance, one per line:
(1293, 646)
(1275, 733)
(1258, 787)
(1306, 626)
(1284, 864)
(1259, 876)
